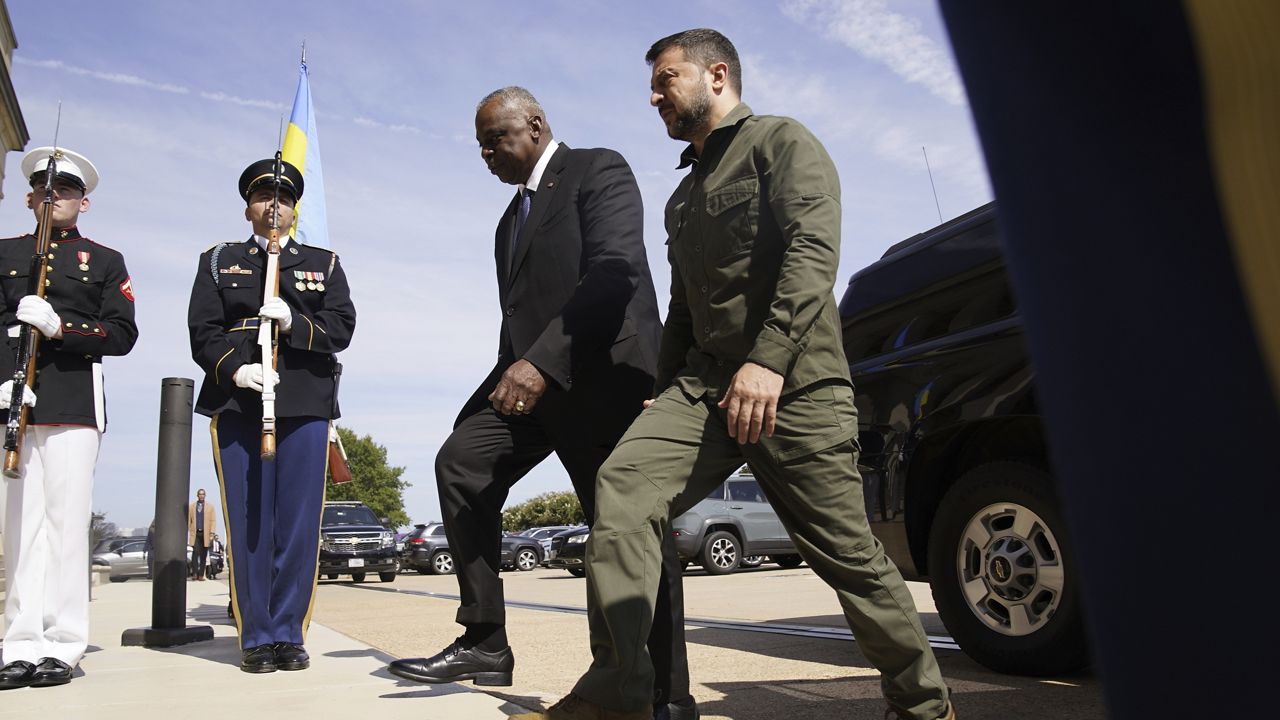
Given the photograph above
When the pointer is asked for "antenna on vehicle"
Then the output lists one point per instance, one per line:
(931, 185)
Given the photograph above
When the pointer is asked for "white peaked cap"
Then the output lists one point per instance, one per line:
(69, 164)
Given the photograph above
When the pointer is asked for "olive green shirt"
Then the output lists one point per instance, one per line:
(754, 240)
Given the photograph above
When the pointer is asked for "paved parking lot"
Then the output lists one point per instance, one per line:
(736, 674)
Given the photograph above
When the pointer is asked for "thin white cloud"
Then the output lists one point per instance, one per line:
(243, 102)
(117, 78)
(371, 123)
(218, 96)
(875, 32)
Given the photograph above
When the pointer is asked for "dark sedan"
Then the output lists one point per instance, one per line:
(569, 551)
(426, 549)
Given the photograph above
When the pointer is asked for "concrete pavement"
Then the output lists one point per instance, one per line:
(347, 678)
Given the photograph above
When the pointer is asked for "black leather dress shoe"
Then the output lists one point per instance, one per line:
(459, 662)
(51, 671)
(686, 709)
(260, 659)
(291, 656)
(17, 674)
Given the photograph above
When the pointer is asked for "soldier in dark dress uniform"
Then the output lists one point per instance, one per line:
(272, 508)
(86, 313)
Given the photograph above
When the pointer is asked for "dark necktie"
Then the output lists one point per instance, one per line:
(522, 214)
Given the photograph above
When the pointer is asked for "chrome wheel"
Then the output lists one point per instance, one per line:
(1010, 569)
(526, 560)
(442, 563)
(720, 553)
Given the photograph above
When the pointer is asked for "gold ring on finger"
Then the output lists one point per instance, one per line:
(520, 405)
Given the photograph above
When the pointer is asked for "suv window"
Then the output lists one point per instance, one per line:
(348, 515)
(745, 491)
(437, 530)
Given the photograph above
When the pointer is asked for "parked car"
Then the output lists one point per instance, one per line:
(126, 559)
(518, 552)
(568, 551)
(354, 542)
(955, 460)
(113, 543)
(544, 534)
(735, 526)
(426, 549)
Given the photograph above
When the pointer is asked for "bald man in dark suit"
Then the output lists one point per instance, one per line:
(577, 355)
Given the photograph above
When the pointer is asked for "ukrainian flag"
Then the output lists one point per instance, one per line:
(302, 149)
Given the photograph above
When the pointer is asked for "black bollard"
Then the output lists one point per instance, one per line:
(169, 549)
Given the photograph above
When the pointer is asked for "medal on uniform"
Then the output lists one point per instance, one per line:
(319, 281)
(83, 256)
(311, 283)
(301, 285)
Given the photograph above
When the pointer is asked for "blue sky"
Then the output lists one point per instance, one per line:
(172, 100)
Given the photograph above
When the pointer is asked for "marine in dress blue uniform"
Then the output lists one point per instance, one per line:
(87, 313)
(272, 508)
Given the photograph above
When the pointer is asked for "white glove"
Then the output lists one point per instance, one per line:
(250, 376)
(38, 313)
(6, 393)
(276, 309)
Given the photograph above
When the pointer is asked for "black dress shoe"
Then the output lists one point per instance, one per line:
(51, 671)
(686, 709)
(17, 674)
(459, 662)
(291, 656)
(260, 659)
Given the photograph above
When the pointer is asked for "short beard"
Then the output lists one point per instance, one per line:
(691, 123)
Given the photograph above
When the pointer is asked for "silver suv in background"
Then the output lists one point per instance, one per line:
(735, 526)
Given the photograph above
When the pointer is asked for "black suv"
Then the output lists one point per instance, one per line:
(426, 549)
(353, 542)
(954, 457)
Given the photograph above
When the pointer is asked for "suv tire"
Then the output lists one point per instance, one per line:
(721, 553)
(526, 559)
(787, 561)
(357, 577)
(1003, 574)
(442, 563)
(387, 576)
(751, 561)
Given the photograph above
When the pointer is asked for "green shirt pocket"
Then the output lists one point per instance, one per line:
(733, 213)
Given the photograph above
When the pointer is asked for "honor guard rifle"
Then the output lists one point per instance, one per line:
(24, 366)
(268, 332)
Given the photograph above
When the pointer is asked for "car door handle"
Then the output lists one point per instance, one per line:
(735, 507)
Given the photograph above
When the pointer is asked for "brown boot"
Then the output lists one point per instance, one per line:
(576, 707)
(893, 712)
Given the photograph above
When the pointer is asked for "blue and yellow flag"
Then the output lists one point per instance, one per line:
(302, 149)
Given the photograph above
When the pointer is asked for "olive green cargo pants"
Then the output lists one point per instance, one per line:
(673, 455)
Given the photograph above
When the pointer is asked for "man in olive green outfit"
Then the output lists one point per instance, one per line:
(751, 368)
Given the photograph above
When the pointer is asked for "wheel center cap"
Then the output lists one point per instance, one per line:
(1001, 570)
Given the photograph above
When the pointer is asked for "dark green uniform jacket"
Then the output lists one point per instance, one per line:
(89, 287)
(754, 240)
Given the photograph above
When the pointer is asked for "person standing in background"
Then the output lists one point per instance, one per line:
(200, 523)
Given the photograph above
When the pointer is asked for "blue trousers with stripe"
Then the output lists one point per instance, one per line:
(272, 510)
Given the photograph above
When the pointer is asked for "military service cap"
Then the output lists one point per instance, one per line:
(261, 173)
(69, 166)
